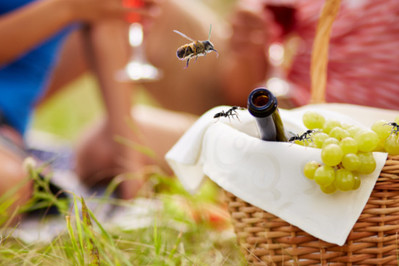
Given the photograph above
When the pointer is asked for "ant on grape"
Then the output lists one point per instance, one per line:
(303, 137)
(229, 113)
(395, 127)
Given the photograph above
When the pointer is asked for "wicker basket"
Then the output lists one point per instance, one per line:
(268, 240)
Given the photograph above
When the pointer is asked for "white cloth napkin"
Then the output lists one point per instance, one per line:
(269, 174)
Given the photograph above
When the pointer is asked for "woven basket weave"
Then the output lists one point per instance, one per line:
(268, 240)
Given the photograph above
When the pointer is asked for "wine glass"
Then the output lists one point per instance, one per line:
(138, 68)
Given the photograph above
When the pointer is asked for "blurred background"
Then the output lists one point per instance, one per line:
(66, 114)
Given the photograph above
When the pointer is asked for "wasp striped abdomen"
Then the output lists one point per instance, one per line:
(184, 51)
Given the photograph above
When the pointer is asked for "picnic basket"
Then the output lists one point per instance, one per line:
(268, 240)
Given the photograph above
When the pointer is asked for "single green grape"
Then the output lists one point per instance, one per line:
(391, 145)
(354, 130)
(351, 162)
(344, 179)
(313, 120)
(310, 168)
(309, 143)
(357, 182)
(319, 138)
(367, 163)
(339, 133)
(330, 124)
(382, 129)
(367, 141)
(329, 141)
(324, 175)
(332, 154)
(348, 145)
(329, 189)
(380, 147)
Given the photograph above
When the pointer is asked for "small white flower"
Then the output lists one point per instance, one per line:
(29, 163)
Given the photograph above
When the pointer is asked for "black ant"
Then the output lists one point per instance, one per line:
(229, 113)
(304, 136)
(395, 127)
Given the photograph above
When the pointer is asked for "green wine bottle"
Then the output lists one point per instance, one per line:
(262, 104)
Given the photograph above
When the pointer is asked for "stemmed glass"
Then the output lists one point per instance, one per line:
(138, 68)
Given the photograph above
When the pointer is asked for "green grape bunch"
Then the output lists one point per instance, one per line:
(346, 150)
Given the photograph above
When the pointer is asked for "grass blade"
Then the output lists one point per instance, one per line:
(93, 250)
(71, 234)
(78, 225)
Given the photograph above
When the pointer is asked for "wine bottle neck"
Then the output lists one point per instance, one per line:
(261, 102)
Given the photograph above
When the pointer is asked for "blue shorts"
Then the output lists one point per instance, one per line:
(24, 81)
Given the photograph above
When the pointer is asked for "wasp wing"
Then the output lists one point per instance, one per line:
(183, 35)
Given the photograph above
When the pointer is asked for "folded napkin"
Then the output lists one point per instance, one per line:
(269, 175)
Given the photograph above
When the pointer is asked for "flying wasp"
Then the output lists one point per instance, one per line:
(195, 48)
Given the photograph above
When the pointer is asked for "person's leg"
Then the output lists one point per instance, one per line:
(160, 129)
(101, 49)
(108, 51)
(157, 130)
(15, 185)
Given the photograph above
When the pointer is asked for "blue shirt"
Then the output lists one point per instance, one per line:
(23, 81)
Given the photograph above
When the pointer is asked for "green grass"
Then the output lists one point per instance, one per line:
(175, 237)
(183, 232)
